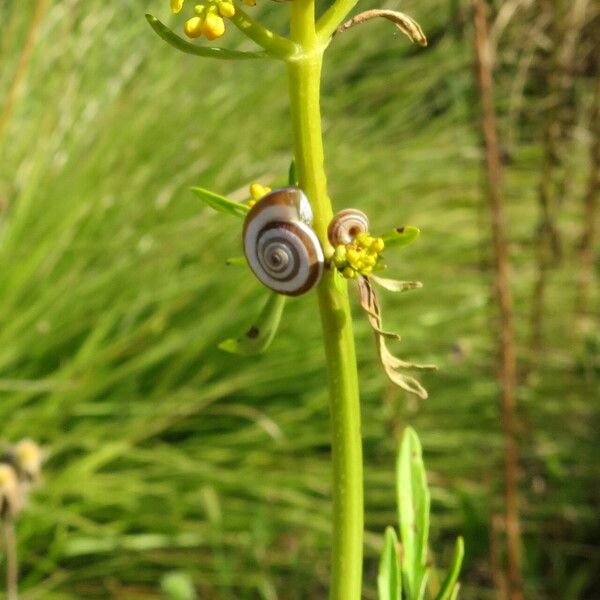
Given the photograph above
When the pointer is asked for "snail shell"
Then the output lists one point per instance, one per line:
(280, 246)
(346, 225)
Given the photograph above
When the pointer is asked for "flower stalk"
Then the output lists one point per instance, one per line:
(304, 73)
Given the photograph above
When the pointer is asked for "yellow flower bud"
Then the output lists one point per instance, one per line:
(349, 273)
(213, 26)
(177, 5)
(378, 245)
(199, 9)
(226, 9)
(193, 27)
(353, 257)
(370, 260)
(250, 203)
(366, 270)
(339, 256)
(257, 190)
(362, 238)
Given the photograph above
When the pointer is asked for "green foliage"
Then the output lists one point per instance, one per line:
(405, 574)
(450, 585)
(260, 335)
(389, 579)
(401, 236)
(413, 511)
(292, 175)
(220, 203)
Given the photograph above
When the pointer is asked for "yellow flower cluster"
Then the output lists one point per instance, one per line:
(209, 18)
(257, 191)
(359, 257)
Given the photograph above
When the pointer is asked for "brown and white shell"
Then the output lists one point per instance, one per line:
(280, 246)
(346, 225)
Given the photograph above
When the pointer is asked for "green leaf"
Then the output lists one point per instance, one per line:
(292, 174)
(236, 261)
(259, 337)
(449, 589)
(401, 236)
(220, 203)
(209, 52)
(389, 579)
(413, 508)
(178, 585)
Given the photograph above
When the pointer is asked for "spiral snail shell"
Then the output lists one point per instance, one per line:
(280, 246)
(346, 225)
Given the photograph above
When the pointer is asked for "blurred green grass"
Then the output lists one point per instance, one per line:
(168, 455)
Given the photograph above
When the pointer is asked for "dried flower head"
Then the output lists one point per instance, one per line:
(20, 467)
(29, 457)
(11, 494)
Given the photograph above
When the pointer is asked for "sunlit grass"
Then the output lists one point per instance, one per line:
(168, 454)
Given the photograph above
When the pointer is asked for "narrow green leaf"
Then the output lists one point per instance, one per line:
(413, 508)
(236, 261)
(184, 46)
(259, 337)
(389, 579)
(220, 203)
(454, 594)
(292, 174)
(449, 589)
(401, 236)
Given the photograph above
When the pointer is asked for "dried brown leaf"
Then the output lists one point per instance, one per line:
(391, 364)
(407, 25)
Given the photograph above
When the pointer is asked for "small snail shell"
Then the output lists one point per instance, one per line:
(280, 246)
(346, 225)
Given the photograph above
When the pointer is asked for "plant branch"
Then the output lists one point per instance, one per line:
(332, 17)
(276, 45)
(507, 363)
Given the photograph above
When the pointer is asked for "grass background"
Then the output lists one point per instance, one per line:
(166, 454)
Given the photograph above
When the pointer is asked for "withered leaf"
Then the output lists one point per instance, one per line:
(391, 364)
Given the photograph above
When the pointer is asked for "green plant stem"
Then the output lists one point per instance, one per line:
(276, 45)
(333, 17)
(304, 72)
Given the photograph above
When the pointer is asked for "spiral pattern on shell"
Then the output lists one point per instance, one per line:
(346, 225)
(280, 246)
